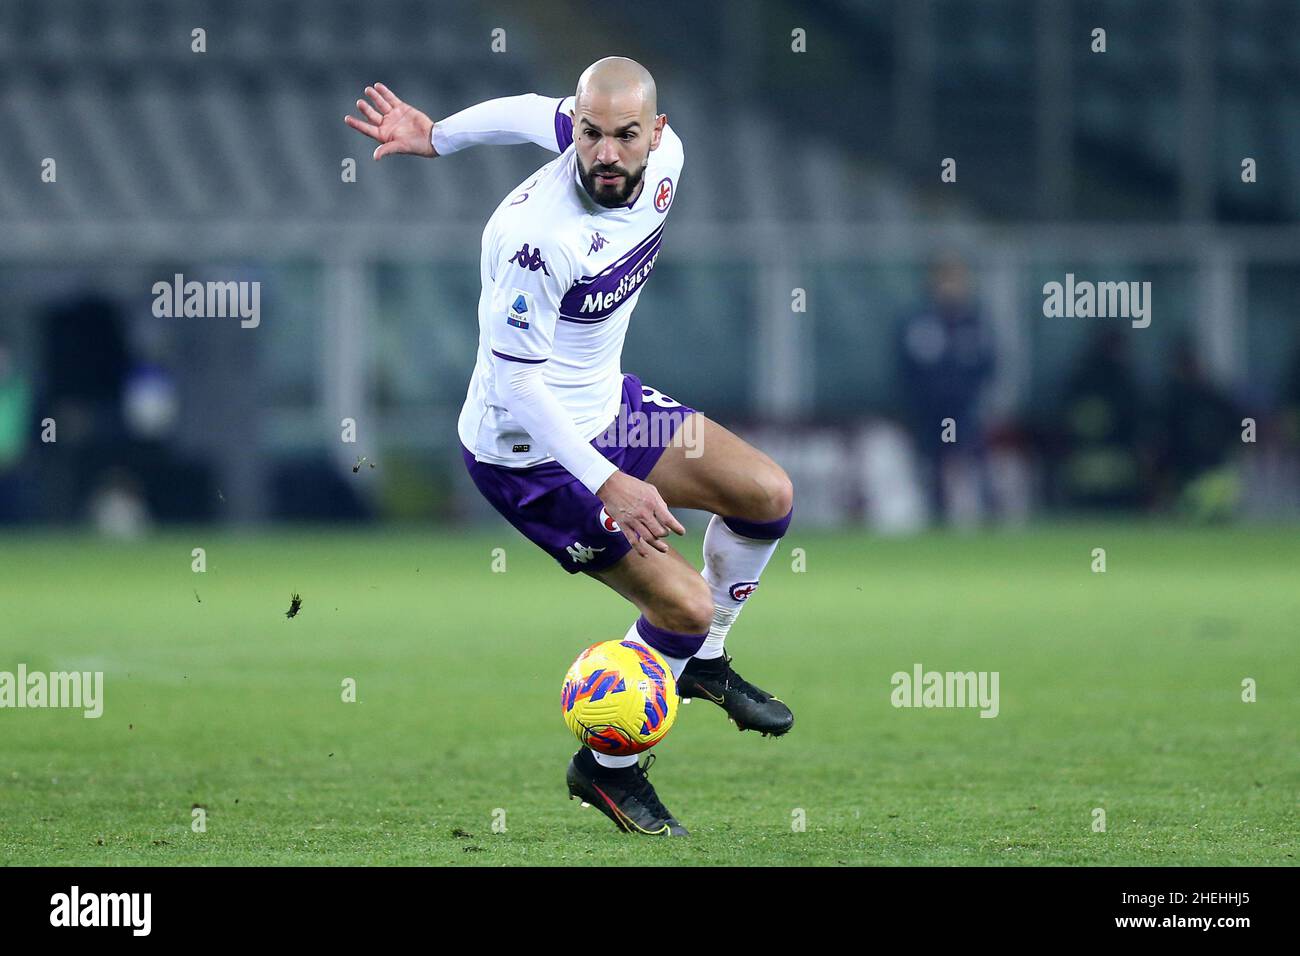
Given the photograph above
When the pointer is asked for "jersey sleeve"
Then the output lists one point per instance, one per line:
(535, 407)
(529, 283)
(526, 118)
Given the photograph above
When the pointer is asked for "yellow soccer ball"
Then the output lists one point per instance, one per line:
(619, 697)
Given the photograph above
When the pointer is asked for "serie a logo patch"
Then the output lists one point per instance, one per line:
(521, 307)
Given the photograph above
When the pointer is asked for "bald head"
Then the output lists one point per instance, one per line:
(615, 128)
(617, 78)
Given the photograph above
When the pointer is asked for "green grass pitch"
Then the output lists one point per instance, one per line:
(1119, 691)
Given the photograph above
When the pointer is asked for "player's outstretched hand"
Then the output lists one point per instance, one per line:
(640, 512)
(398, 127)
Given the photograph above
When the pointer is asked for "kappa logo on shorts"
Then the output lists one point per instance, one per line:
(580, 553)
(608, 523)
(743, 589)
(519, 308)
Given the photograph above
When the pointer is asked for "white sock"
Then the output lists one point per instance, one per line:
(676, 664)
(605, 760)
(732, 565)
(715, 644)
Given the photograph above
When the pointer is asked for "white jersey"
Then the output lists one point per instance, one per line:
(561, 275)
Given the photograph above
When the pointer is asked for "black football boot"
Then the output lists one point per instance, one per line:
(749, 707)
(623, 794)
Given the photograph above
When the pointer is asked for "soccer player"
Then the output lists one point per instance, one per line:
(584, 460)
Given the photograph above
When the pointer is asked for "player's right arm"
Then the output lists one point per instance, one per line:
(526, 118)
(527, 290)
(400, 128)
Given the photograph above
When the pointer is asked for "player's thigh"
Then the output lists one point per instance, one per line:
(711, 468)
(665, 587)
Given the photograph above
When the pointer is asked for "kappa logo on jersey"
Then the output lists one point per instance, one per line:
(743, 589)
(594, 298)
(608, 523)
(519, 309)
(580, 553)
(530, 259)
(664, 194)
(597, 243)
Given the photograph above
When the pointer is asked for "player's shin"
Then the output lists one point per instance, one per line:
(735, 554)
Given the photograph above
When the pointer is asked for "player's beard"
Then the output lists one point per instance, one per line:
(606, 196)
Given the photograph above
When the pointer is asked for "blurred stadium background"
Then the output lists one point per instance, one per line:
(815, 171)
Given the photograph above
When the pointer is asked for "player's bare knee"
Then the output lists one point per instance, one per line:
(775, 494)
(689, 609)
(701, 608)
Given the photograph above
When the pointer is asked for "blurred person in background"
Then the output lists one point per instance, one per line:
(946, 358)
(1274, 479)
(15, 427)
(87, 364)
(1200, 427)
(1097, 429)
(1289, 404)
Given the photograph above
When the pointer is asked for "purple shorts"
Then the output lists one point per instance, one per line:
(553, 510)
